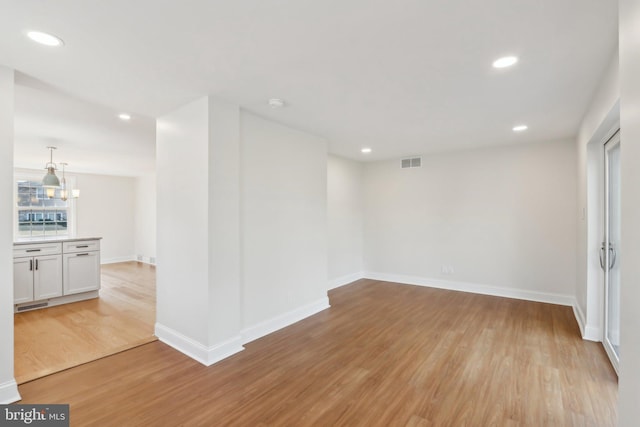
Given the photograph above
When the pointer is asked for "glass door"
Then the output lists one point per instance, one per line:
(610, 250)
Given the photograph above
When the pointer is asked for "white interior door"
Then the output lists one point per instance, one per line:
(610, 250)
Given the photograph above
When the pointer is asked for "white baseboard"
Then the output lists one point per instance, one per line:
(592, 333)
(588, 332)
(195, 350)
(344, 280)
(151, 260)
(210, 355)
(114, 260)
(268, 326)
(523, 294)
(9, 392)
(577, 313)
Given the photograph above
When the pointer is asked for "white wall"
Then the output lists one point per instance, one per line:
(629, 389)
(8, 387)
(224, 201)
(345, 212)
(500, 217)
(145, 218)
(105, 209)
(284, 222)
(182, 221)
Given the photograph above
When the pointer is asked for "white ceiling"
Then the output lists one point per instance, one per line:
(403, 77)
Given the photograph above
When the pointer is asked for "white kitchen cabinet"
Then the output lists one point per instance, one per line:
(81, 272)
(37, 277)
(53, 272)
(22, 280)
(47, 277)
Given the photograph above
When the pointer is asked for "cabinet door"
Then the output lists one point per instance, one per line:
(22, 280)
(81, 272)
(47, 277)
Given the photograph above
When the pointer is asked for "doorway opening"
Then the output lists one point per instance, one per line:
(56, 338)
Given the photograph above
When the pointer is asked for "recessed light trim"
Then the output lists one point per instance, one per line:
(124, 116)
(520, 128)
(366, 150)
(505, 62)
(276, 103)
(45, 38)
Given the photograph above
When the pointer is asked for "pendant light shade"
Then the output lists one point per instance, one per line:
(50, 179)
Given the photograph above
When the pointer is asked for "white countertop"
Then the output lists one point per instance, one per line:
(54, 239)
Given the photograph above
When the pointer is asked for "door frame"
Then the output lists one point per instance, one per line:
(609, 144)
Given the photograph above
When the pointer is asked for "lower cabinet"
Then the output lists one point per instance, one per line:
(22, 280)
(55, 272)
(36, 278)
(81, 272)
(47, 276)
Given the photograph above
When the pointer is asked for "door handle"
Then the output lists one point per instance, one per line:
(612, 256)
(30, 265)
(36, 264)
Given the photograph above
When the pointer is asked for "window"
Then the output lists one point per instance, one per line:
(37, 214)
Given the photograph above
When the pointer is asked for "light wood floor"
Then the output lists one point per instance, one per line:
(383, 355)
(53, 339)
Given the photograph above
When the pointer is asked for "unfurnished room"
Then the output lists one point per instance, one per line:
(320, 213)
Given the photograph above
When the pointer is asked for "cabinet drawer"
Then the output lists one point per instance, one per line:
(36, 249)
(81, 246)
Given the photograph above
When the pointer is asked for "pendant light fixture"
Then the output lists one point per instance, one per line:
(50, 179)
(64, 193)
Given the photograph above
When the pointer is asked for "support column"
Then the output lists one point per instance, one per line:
(198, 230)
(8, 387)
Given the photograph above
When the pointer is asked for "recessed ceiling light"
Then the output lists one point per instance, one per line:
(520, 128)
(366, 150)
(505, 61)
(44, 38)
(124, 116)
(276, 103)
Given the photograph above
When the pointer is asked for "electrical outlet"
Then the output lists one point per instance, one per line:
(447, 269)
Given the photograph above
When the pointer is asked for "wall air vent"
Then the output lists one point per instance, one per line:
(32, 306)
(412, 162)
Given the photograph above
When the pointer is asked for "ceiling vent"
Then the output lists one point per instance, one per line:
(413, 162)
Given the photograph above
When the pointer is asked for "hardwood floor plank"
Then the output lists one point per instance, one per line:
(57, 338)
(384, 354)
